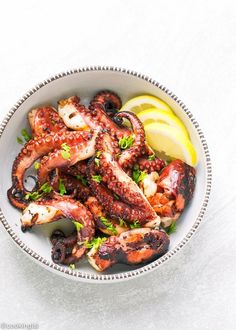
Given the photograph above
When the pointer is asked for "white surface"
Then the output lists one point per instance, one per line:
(191, 48)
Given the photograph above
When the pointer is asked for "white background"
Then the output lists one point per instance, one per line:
(190, 47)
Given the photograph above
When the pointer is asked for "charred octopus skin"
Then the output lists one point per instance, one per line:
(109, 100)
(133, 247)
(175, 189)
(44, 120)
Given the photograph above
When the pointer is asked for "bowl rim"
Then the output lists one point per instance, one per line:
(107, 278)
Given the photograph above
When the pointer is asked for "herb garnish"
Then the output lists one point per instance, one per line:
(44, 189)
(138, 175)
(78, 225)
(61, 186)
(72, 266)
(108, 225)
(65, 151)
(122, 223)
(96, 242)
(36, 165)
(25, 135)
(97, 178)
(82, 179)
(126, 142)
(172, 228)
(152, 157)
(135, 224)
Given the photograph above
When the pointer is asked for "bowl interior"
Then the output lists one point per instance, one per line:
(86, 84)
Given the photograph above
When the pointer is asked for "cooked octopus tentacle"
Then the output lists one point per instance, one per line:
(55, 159)
(133, 247)
(44, 120)
(116, 179)
(129, 156)
(98, 213)
(174, 189)
(62, 248)
(109, 100)
(149, 166)
(94, 116)
(118, 208)
(35, 149)
(46, 211)
(79, 168)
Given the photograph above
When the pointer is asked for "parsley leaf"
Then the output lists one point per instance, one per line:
(72, 266)
(62, 188)
(138, 175)
(96, 242)
(97, 178)
(136, 224)
(25, 135)
(36, 165)
(65, 151)
(44, 189)
(152, 157)
(172, 228)
(19, 140)
(97, 161)
(108, 225)
(98, 153)
(126, 142)
(82, 179)
(78, 225)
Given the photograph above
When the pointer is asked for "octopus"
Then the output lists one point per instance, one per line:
(46, 211)
(86, 157)
(175, 189)
(133, 247)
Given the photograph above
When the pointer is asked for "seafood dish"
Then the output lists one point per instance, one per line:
(100, 167)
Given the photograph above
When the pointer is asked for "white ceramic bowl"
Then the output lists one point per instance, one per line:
(86, 82)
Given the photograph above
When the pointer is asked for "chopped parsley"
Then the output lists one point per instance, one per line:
(109, 225)
(172, 228)
(126, 142)
(96, 242)
(61, 186)
(97, 161)
(98, 153)
(44, 189)
(78, 225)
(97, 178)
(136, 224)
(138, 175)
(82, 179)
(122, 223)
(65, 151)
(25, 135)
(152, 157)
(72, 266)
(36, 165)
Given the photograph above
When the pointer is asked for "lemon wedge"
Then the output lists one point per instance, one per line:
(168, 139)
(143, 102)
(160, 116)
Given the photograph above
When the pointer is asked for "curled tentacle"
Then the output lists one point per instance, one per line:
(44, 120)
(109, 100)
(46, 211)
(133, 247)
(129, 156)
(174, 189)
(35, 149)
(94, 117)
(79, 168)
